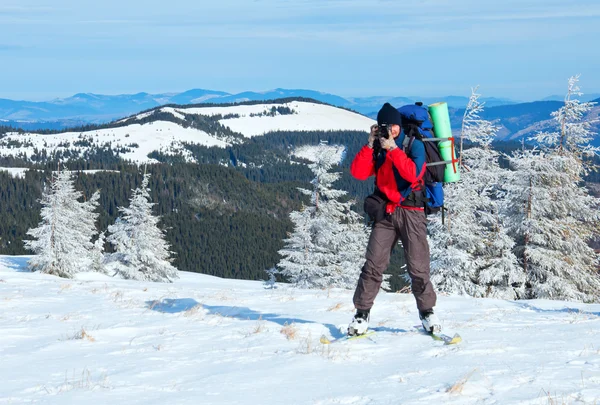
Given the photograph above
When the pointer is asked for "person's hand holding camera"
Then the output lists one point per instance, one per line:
(388, 143)
(372, 135)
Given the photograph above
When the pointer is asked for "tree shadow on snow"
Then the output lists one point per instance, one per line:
(386, 329)
(530, 307)
(247, 314)
(177, 305)
(172, 305)
(16, 263)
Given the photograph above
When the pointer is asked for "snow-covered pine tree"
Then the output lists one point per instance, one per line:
(63, 240)
(97, 254)
(270, 282)
(327, 246)
(551, 214)
(141, 251)
(471, 252)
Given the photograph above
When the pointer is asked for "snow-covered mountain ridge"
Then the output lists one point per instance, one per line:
(256, 119)
(168, 129)
(208, 340)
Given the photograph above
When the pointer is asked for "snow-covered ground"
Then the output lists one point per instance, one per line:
(162, 136)
(306, 117)
(205, 340)
(15, 171)
(20, 171)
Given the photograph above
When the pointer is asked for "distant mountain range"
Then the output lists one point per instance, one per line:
(96, 108)
(516, 120)
(519, 121)
(584, 97)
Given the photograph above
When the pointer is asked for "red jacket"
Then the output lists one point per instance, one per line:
(363, 167)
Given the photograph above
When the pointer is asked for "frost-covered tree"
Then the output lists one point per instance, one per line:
(551, 214)
(471, 252)
(62, 242)
(327, 246)
(270, 282)
(97, 254)
(141, 251)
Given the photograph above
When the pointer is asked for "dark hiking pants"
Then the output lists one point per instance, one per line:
(410, 227)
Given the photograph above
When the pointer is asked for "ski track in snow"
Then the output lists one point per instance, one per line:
(203, 339)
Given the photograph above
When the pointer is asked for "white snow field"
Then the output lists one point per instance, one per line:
(306, 117)
(206, 340)
(162, 136)
(18, 172)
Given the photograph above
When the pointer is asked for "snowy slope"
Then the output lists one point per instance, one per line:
(19, 172)
(15, 171)
(550, 125)
(162, 136)
(169, 137)
(306, 117)
(205, 340)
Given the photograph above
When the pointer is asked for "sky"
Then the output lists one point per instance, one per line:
(518, 49)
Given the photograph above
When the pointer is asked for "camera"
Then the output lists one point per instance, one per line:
(382, 131)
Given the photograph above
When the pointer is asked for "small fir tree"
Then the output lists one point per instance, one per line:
(270, 282)
(63, 240)
(97, 254)
(141, 252)
(327, 246)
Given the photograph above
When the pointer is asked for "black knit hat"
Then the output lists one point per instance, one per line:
(388, 115)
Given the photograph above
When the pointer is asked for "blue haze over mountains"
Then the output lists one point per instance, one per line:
(97, 108)
(85, 108)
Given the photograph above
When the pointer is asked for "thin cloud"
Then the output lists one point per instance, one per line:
(23, 9)
(6, 47)
(115, 22)
(19, 11)
(308, 13)
(541, 15)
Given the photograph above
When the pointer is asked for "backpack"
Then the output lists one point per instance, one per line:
(416, 123)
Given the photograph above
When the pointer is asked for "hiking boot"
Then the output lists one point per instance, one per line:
(430, 321)
(359, 324)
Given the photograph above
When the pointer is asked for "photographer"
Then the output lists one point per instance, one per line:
(396, 207)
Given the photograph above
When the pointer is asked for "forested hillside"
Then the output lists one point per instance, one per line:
(217, 221)
(223, 221)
